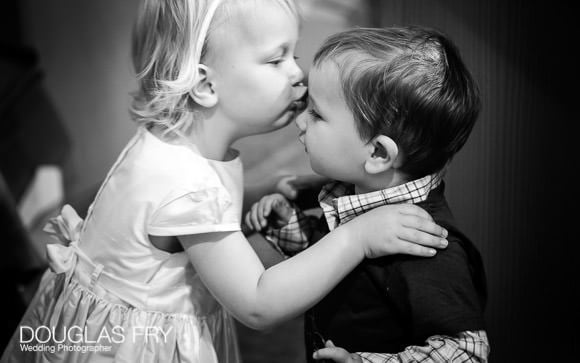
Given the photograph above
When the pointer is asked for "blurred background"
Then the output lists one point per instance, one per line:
(65, 79)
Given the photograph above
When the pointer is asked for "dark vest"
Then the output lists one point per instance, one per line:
(367, 311)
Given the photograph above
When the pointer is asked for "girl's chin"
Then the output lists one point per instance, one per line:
(272, 126)
(285, 119)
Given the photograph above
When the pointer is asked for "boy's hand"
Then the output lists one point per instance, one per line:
(398, 229)
(336, 354)
(291, 185)
(272, 208)
(285, 185)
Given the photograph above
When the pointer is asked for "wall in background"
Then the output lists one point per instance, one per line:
(506, 186)
(84, 49)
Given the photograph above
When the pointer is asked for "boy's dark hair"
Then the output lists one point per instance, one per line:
(410, 84)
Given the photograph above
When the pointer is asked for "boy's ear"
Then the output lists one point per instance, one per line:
(203, 92)
(383, 155)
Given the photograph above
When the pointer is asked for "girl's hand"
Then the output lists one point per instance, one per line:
(273, 208)
(336, 354)
(397, 229)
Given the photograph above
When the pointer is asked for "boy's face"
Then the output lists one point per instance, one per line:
(328, 129)
(252, 55)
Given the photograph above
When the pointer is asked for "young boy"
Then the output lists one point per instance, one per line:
(388, 110)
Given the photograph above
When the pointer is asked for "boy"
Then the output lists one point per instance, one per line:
(388, 110)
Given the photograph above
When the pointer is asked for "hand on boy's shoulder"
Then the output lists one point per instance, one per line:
(449, 261)
(399, 229)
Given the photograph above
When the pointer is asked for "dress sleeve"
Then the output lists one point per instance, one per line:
(194, 212)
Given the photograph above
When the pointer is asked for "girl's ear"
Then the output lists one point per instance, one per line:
(383, 155)
(203, 92)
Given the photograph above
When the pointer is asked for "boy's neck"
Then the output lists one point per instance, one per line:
(376, 182)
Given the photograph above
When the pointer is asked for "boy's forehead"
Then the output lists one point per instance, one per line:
(324, 81)
(345, 60)
(335, 68)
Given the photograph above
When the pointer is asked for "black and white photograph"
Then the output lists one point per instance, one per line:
(287, 181)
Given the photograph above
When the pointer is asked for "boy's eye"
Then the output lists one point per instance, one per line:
(314, 115)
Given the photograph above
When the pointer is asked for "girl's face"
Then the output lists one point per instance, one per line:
(256, 77)
(328, 130)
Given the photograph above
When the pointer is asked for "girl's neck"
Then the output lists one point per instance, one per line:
(211, 147)
(203, 137)
(212, 139)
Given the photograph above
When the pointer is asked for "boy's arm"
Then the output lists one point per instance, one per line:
(468, 346)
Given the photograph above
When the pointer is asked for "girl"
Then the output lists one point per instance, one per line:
(122, 288)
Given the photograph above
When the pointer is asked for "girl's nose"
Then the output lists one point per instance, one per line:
(296, 74)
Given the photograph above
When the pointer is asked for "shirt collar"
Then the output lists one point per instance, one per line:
(340, 204)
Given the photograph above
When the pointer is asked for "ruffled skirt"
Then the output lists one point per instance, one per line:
(68, 322)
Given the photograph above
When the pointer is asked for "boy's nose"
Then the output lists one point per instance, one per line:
(301, 123)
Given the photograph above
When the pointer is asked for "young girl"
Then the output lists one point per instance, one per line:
(122, 287)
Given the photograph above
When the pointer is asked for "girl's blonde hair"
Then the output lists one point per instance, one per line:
(169, 44)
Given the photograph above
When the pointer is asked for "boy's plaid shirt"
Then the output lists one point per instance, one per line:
(339, 205)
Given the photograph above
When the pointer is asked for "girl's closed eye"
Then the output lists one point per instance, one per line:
(279, 60)
(275, 62)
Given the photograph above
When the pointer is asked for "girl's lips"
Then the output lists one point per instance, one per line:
(299, 104)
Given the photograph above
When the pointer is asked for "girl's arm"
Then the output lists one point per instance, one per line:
(258, 298)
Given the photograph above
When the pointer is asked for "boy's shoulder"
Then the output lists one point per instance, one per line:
(460, 258)
(457, 269)
(459, 262)
(443, 294)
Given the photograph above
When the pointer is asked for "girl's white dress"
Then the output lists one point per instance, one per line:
(110, 295)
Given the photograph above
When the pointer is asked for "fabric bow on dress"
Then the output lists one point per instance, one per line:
(66, 229)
